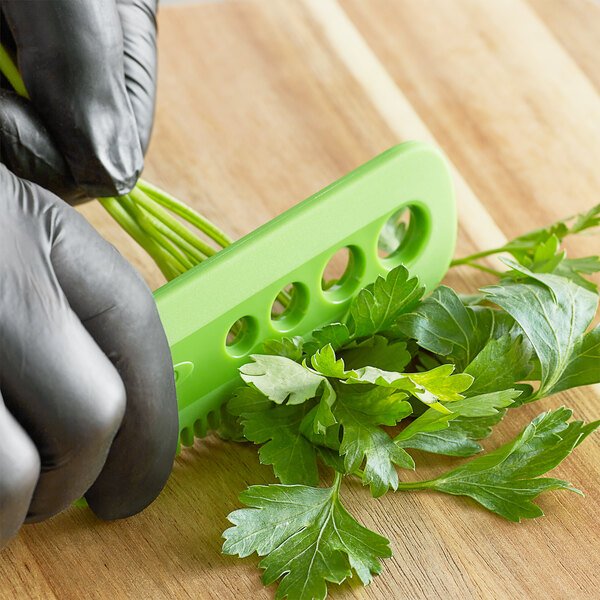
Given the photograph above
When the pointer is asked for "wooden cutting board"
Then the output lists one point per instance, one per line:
(263, 103)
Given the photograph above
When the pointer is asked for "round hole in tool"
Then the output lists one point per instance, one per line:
(182, 371)
(402, 235)
(289, 306)
(241, 336)
(343, 273)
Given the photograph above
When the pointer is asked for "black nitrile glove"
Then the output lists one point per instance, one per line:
(83, 357)
(90, 71)
(87, 395)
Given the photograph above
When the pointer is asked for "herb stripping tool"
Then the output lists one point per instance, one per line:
(219, 312)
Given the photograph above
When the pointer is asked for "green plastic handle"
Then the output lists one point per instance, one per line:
(242, 281)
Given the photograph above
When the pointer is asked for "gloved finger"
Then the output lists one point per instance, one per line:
(117, 308)
(29, 152)
(70, 55)
(56, 381)
(26, 147)
(65, 393)
(138, 22)
(19, 472)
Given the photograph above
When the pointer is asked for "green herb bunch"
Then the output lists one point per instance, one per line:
(405, 371)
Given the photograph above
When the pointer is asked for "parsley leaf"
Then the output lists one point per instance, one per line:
(325, 362)
(377, 306)
(459, 438)
(291, 348)
(277, 428)
(554, 313)
(335, 334)
(573, 268)
(539, 250)
(307, 538)
(363, 441)
(455, 434)
(586, 220)
(377, 351)
(443, 325)
(280, 379)
(583, 367)
(430, 387)
(501, 363)
(507, 480)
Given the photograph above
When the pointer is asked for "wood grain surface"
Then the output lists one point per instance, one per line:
(263, 103)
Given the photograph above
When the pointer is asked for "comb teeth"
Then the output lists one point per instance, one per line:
(199, 429)
(187, 437)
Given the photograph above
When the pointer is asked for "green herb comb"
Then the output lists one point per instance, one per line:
(220, 311)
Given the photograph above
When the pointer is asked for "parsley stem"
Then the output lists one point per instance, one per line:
(469, 259)
(415, 485)
(147, 225)
(189, 214)
(117, 211)
(10, 71)
(170, 223)
(191, 253)
(337, 482)
(405, 485)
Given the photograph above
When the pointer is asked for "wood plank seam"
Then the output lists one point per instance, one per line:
(389, 101)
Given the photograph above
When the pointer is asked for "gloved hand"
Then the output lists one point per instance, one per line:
(90, 71)
(87, 396)
(82, 357)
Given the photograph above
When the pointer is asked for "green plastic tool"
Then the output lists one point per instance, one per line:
(241, 282)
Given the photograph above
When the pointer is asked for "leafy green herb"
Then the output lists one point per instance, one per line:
(584, 360)
(540, 250)
(430, 387)
(377, 351)
(307, 538)
(364, 441)
(459, 438)
(443, 325)
(441, 371)
(277, 428)
(456, 434)
(554, 313)
(501, 363)
(375, 307)
(281, 379)
(507, 480)
(291, 348)
(334, 334)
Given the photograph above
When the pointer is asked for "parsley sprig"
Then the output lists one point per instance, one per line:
(507, 480)
(400, 372)
(307, 538)
(541, 250)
